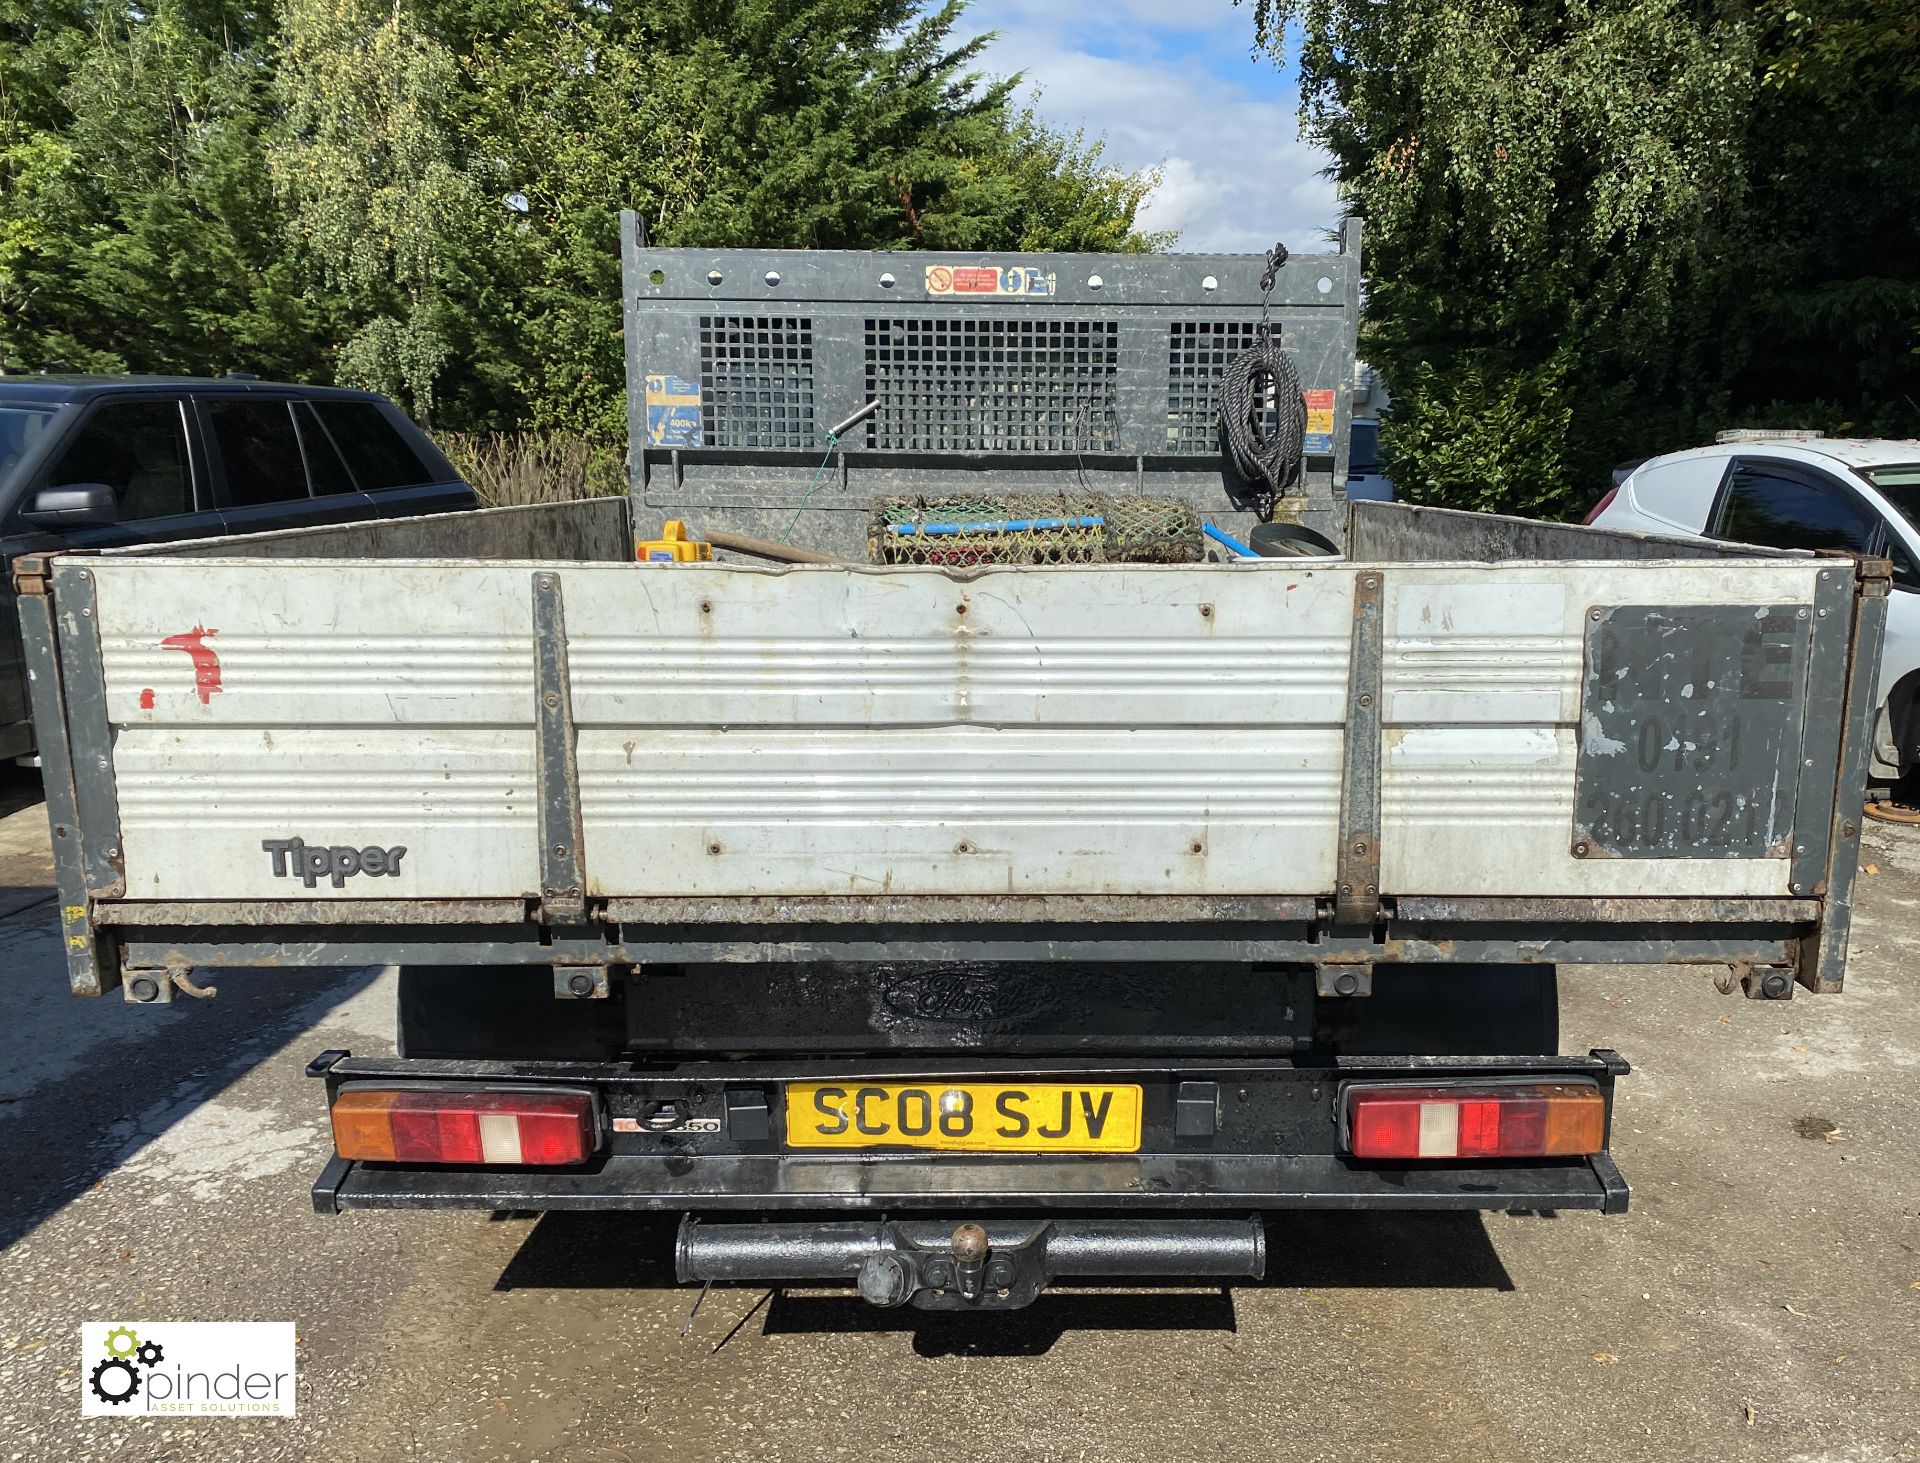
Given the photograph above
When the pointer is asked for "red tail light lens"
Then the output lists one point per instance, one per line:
(1601, 506)
(528, 1129)
(1532, 1120)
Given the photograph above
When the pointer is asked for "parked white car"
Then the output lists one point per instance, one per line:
(1803, 492)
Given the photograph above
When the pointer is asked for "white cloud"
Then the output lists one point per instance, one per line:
(1173, 87)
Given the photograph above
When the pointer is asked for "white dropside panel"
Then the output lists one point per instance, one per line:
(1111, 731)
(825, 730)
(292, 643)
(349, 706)
(1482, 672)
(1145, 730)
(196, 807)
(962, 810)
(812, 731)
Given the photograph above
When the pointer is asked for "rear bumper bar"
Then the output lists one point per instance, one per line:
(1245, 1135)
(940, 1265)
(789, 1183)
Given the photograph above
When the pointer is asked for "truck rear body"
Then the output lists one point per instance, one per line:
(1095, 908)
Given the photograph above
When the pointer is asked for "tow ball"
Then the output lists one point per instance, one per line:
(893, 1277)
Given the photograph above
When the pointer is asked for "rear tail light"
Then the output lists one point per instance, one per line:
(407, 1125)
(1535, 1120)
(1602, 506)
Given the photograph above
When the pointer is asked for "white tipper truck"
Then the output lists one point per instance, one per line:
(944, 928)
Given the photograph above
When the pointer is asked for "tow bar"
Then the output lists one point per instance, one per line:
(938, 1264)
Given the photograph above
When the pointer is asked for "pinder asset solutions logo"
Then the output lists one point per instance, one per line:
(187, 1369)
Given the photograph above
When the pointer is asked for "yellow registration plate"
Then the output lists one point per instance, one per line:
(967, 1117)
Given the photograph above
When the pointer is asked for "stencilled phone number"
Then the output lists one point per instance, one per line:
(1644, 820)
(1664, 818)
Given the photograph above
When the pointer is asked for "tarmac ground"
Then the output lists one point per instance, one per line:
(1760, 1301)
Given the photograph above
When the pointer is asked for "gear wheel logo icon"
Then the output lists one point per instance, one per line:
(115, 1381)
(151, 1354)
(121, 1343)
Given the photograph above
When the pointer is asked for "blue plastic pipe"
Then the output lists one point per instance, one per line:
(1228, 540)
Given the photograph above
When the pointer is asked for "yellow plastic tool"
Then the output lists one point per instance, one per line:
(674, 546)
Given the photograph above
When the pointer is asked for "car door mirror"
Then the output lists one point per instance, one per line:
(76, 505)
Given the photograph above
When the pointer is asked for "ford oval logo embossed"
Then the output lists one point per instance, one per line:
(967, 995)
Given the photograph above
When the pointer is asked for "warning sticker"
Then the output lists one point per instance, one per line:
(1319, 441)
(673, 412)
(989, 279)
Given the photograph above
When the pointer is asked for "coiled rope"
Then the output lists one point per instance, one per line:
(1263, 373)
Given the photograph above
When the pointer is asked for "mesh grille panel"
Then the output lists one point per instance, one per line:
(1197, 352)
(756, 380)
(992, 385)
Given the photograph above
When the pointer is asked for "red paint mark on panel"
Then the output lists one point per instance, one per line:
(146, 699)
(206, 665)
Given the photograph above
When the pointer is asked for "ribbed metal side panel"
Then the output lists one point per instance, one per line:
(1139, 647)
(973, 810)
(295, 643)
(1482, 677)
(1062, 731)
(673, 681)
(1084, 730)
(197, 806)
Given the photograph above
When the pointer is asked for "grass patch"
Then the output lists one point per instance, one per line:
(510, 468)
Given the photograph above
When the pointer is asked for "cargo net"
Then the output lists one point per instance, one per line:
(1071, 528)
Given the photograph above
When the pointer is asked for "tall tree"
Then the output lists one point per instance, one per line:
(423, 195)
(136, 228)
(371, 167)
(1594, 234)
(1829, 296)
(772, 123)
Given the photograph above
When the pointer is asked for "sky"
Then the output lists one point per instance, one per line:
(1173, 84)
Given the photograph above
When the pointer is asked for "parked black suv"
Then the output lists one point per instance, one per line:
(94, 461)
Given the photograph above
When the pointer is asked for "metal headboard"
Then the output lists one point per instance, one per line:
(1000, 373)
